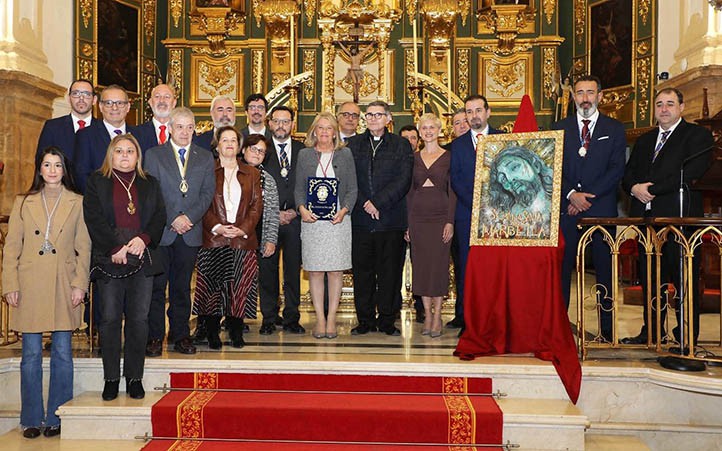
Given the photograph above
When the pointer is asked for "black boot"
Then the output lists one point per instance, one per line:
(200, 333)
(213, 330)
(235, 331)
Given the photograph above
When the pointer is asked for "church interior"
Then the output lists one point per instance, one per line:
(419, 56)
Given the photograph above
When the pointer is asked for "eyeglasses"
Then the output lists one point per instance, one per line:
(281, 121)
(81, 94)
(256, 108)
(375, 115)
(112, 103)
(349, 115)
(257, 150)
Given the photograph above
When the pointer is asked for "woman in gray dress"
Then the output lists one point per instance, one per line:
(326, 243)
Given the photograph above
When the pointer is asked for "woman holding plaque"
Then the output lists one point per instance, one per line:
(44, 280)
(326, 193)
(125, 214)
(431, 205)
(227, 264)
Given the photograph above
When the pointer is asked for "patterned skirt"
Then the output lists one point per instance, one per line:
(226, 281)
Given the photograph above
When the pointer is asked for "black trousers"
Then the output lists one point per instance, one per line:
(289, 239)
(178, 261)
(376, 258)
(127, 298)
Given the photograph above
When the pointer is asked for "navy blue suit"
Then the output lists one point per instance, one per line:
(204, 139)
(598, 172)
(59, 132)
(91, 145)
(146, 136)
(462, 174)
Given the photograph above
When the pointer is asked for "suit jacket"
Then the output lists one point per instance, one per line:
(245, 132)
(599, 171)
(384, 179)
(160, 162)
(44, 279)
(286, 198)
(685, 141)
(463, 171)
(100, 216)
(91, 145)
(343, 168)
(146, 136)
(205, 139)
(60, 132)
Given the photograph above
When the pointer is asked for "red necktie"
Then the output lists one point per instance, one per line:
(586, 136)
(81, 124)
(479, 138)
(162, 136)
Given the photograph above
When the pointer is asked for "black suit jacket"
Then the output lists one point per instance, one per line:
(285, 186)
(60, 132)
(91, 145)
(205, 139)
(146, 136)
(685, 141)
(245, 132)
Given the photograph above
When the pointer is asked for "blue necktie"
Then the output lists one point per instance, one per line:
(182, 155)
(662, 140)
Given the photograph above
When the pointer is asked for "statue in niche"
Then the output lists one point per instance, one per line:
(355, 74)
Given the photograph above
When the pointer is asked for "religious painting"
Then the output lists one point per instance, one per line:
(517, 190)
(610, 42)
(235, 4)
(118, 44)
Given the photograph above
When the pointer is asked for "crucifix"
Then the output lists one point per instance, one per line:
(356, 50)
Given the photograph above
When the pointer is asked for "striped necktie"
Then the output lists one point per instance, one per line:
(662, 140)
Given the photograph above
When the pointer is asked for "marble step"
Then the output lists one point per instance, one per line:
(599, 442)
(532, 423)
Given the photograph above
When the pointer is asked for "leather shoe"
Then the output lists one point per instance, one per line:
(184, 346)
(110, 390)
(294, 328)
(52, 431)
(393, 331)
(31, 432)
(154, 348)
(246, 328)
(362, 329)
(201, 333)
(278, 321)
(134, 388)
(214, 341)
(640, 339)
(267, 329)
(456, 323)
(238, 342)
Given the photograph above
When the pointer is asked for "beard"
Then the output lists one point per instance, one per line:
(587, 109)
(525, 191)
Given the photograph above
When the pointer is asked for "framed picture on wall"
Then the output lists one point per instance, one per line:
(118, 44)
(610, 42)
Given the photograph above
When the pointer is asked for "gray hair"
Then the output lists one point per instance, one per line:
(180, 111)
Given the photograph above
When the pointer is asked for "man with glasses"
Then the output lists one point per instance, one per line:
(223, 113)
(280, 162)
(256, 107)
(60, 132)
(92, 142)
(384, 163)
(156, 131)
(348, 116)
(462, 174)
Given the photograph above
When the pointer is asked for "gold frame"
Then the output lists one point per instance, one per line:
(237, 79)
(528, 88)
(491, 146)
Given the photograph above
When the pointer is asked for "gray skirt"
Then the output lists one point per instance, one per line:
(326, 247)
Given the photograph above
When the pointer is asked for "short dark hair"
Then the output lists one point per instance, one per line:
(220, 131)
(82, 80)
(409, 128)
(252, 140)
(281, 108)
(255, 97)
(675, 91)
(589, 77)
(477, 97)
(380, 103)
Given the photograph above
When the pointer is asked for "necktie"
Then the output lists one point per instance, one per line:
(162, 136)
(662, 140)
(182, 155)
(479, 139)
(81, 124)
(586, 135)
(118, 131)
(284, 156)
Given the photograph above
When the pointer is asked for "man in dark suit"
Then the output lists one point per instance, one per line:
(348, 116)
(156, 131)
(280, 162)
(594, 153)
(384, 163)
(256, 108)
(187, 181)
(92, 142)
(223, 113)
(652, 179)
(60, 132)
(462, 173)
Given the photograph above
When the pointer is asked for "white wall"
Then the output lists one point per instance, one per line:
(57, 37)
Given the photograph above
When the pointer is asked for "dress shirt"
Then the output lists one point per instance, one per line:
(286, 149)
(112, 128)
(75, 118)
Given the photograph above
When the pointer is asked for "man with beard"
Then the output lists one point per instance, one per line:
(60, 132)
(594, 153)
(462, 174)
(280, 163)
(223, 112)
(519, 181)
(156, 132)
(256, 108)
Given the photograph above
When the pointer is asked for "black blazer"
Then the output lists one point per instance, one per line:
(285, 186)
(145, 134)
(60, 132)
(100, 216)
(205, 139)
(91, 145)
(685, 141)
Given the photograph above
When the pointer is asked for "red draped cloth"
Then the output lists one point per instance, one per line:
(513, 302)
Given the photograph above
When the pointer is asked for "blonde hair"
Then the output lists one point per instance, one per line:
(429, 117)
(311, 139)
(107, 168)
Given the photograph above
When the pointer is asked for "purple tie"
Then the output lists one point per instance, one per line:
(118, 131)
(662, 140)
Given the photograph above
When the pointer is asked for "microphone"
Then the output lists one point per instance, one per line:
(697, 154)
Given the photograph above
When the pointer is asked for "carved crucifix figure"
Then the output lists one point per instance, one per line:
(356, 54)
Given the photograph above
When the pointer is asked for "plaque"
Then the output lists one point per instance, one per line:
(322, 197)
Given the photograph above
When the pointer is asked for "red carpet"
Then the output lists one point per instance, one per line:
(364, 412)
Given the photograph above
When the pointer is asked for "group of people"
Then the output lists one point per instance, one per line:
(138, 209)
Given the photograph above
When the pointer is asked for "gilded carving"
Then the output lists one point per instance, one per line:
(462, 80)
(277, 78)
(642, 48)
(149, 20)
(86, 49)
(86, 69)
(309, 65)
(368, 84)
(644, 10)
(549, 69)
(257, 70)
(410, 69)
(643, 85)
(506, 22)
(549, 6)
(216, 78)
(580, 65)
(148, 65)
(175, 69)
(176, 10)
(217, 25)
(309, 6)
(440, 18)
(86, 11)
(507, 78)
(580, 19)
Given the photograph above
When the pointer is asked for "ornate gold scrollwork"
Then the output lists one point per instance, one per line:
(580, 19)
(176, 10)
(507, 21)
(462, 72)
(175, 69)
(549, 6)
(86, 69)
(644, 10)
(549, 69)
(580, 64)
(309, 65)
(277, 15)
(509, 78)
(257, 70)
(643, 85)
(216, 78)
(309, 7)
(86, 12)
(217, 24)
(149, 20)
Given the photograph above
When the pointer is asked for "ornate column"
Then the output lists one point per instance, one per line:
(329, 54)
(382, 30)
(277, 15)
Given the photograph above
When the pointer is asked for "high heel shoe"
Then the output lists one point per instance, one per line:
(435, 333)
(425, 332)
(331, 335)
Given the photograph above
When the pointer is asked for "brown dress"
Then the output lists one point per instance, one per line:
(430, 208)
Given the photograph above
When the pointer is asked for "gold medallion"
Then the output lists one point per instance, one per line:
(131, 208)
(183, 186)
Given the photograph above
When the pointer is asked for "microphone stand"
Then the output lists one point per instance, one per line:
(683, 362)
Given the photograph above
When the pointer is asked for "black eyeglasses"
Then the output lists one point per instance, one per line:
(81, 94)
(348, 114)
(375, 115)
(112, 103)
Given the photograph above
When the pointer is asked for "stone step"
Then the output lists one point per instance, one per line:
(599, 442)
(543, 424)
